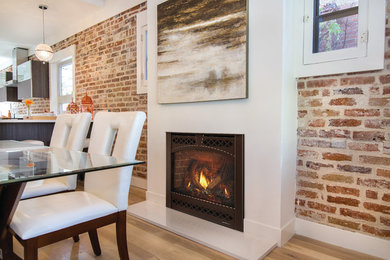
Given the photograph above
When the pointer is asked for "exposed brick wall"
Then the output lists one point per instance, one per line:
(41, 105)
(343, 166)
(105, 69)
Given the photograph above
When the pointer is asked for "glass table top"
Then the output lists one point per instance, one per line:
(41, 163)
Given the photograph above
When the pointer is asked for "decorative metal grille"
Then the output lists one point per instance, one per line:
(212, 142)
(184, 140)
(204, 210)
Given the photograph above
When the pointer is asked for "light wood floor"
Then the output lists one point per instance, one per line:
(146, 241)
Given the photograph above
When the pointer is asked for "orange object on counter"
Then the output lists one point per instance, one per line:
(87, 104)
(73, 108)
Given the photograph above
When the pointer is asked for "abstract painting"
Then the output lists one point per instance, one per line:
(202, 50)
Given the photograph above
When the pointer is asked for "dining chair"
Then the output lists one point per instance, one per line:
(70, 131)
(40, 221)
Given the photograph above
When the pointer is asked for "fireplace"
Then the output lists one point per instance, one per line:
(205, 176)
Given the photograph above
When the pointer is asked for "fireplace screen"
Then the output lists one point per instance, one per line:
(205, 176)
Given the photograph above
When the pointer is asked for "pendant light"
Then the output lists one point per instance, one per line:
(43, 51)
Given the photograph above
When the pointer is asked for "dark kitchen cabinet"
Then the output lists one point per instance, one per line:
(9, 94)
(4, 77)
(33, 80)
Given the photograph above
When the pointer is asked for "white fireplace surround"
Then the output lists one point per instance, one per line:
(268, 121)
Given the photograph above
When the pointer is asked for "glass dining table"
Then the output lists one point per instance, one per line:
(22, 162)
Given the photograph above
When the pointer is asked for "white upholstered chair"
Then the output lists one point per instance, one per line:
(70, 131)
(44, 220)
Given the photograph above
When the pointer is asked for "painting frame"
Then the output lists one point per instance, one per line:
(205, 57)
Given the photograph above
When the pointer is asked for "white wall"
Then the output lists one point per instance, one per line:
(260, 118)
(289, 124)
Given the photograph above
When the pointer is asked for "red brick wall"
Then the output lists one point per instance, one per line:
(343, 166)
(41, 105)
(106, 69)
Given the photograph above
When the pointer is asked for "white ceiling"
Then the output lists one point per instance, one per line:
(21, 21)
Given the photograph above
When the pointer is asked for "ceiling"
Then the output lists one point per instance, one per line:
(21, 21)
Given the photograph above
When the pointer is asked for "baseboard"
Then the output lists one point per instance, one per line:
(281, 235)
(344, 238)
(287, 232)
(155, 198)
(139, 182)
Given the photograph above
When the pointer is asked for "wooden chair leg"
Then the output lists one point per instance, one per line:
(121, 238)
(10, 241)
(76, 238)
(31, 250)
(93, 236)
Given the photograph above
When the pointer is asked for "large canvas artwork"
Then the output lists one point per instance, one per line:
(202, 50)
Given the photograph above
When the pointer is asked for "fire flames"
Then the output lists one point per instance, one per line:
(227, 194)
(209, 184)
(209, 180)
(203, 181)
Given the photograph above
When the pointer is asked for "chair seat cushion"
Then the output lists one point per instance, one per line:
(38, 216)
(43, 187)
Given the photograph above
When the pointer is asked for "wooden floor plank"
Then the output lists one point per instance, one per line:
(288, 254)
(308, 251)
(329, 249)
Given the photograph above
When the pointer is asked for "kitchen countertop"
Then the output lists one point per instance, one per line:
(25, 121)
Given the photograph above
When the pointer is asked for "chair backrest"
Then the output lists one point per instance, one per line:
(70, 131)
(113, 185)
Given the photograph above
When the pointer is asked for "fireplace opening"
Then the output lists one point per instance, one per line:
(205, 176)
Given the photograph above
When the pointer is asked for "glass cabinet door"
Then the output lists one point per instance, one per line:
(24, 71)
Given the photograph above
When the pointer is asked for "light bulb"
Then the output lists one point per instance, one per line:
(43, 52)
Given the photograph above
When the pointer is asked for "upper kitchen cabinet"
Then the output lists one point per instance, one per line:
(33, 80)
(7, 93)
(4, 77)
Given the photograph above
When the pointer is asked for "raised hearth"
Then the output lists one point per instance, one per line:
(205, 175)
